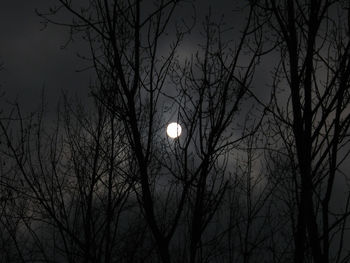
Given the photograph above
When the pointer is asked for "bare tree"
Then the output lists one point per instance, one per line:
(68, 185)
(312, 38)
(109, 186)
(132, 72)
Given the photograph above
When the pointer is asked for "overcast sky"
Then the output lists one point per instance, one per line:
(33, 57)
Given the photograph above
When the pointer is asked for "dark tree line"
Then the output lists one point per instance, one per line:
(249, 179)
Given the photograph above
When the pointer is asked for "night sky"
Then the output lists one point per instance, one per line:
(36, 59)
(34, 56)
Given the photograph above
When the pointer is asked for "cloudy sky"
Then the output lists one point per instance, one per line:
(33, 57)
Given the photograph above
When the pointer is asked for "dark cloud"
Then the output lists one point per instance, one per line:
(33, 58)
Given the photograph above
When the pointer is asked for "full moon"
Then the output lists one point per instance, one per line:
(173, 130)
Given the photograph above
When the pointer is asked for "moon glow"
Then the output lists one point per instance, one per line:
(173, 130)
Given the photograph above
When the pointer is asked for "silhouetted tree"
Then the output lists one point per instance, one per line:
(135, 77)
(103, 183)
(310, 102)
